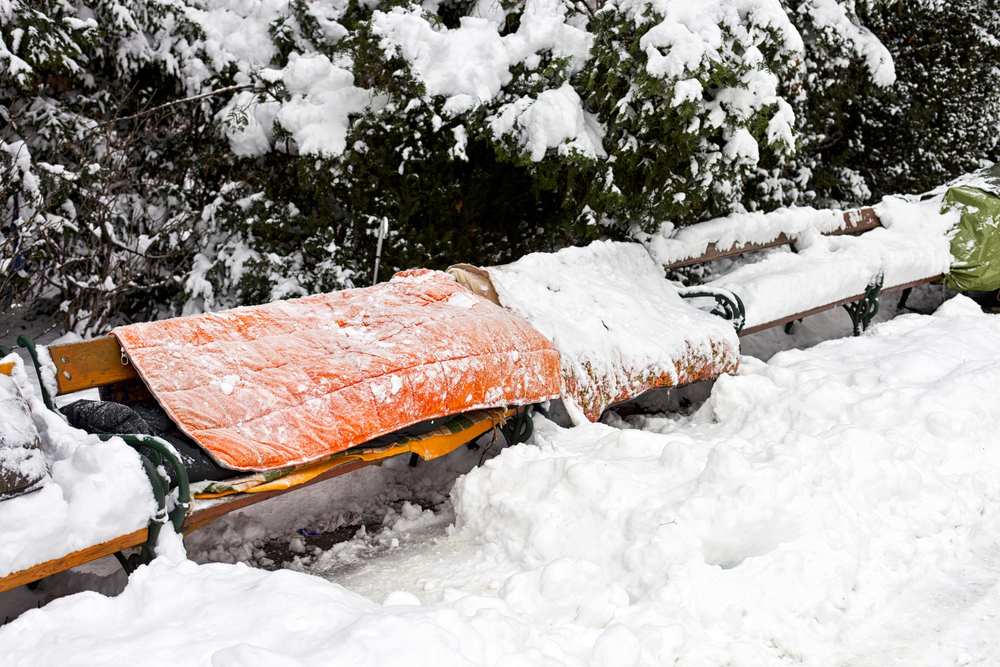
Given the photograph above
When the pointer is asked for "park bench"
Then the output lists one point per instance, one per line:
(544, 287)
(104, 363)
(96, 363)
(862, 305)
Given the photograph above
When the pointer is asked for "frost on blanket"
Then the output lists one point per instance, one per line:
(292, 382)
(618, 324)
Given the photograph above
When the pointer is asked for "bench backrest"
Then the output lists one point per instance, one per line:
(82, 365)
(858, 220)
(89, 363)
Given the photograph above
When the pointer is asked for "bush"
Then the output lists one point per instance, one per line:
(184, 156)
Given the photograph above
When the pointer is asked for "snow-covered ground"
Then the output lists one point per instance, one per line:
(830, 505)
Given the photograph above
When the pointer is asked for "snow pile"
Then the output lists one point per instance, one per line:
(792, 508)
(22, 466)
(911, 245)
(619, 326)
(98, 492)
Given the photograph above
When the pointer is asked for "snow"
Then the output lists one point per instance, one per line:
(912, 245)
(803, 514)
(832, 16)
(98, 491)
(555, 119)
(617, 323)
(323, 97)
(669, 245)
(21, 462)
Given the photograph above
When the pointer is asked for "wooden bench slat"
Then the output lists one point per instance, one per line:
(835, 304)
(72, 560)
(7, 369)
(858, 220)
(90, 363)
(207, 511)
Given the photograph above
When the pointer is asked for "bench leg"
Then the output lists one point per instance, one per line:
(864, 310)
(163, 454)
(903, 297)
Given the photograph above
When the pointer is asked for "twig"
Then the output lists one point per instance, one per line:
(229, 89)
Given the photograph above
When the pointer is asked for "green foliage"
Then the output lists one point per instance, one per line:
(107, 193)
(156, 169)
(861, 140)
(673, 138)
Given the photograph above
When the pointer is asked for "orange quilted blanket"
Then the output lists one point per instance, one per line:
(291, 382)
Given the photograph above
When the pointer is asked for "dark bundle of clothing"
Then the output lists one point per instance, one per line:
(146, 418)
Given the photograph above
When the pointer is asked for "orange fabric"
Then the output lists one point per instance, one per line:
(291, 382)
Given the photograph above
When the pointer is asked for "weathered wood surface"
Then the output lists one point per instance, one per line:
(858, 220)
(89, 363)
(72, 560)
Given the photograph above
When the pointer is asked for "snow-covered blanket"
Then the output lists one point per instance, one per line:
(98, 491)
(911, 245)
(292, 382)
(619, 325)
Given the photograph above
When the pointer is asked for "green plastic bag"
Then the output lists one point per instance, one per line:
(975, 247)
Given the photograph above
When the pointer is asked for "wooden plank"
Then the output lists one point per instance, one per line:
(72, 560)
(207, 511)
(7, 369)
(835, 304)
(713, 252)
(90, 363)
(857, 220)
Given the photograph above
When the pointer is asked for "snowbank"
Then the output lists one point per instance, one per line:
(619, 326)
(792, 507)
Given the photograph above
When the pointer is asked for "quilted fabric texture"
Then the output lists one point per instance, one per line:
(291, 382)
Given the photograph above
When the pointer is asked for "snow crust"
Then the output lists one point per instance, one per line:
(617, 322)
(912, 244)
(97, 492)
(772, 526)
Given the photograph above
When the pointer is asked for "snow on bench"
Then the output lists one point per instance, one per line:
(743, 232)
(97, 497)
(910, 248)
(620, 327)
(906, 243)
